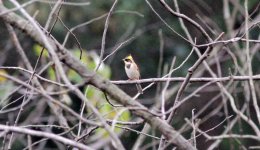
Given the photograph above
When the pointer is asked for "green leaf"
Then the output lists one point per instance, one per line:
(37, 50)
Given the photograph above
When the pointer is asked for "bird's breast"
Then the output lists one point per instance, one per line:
(128, 66)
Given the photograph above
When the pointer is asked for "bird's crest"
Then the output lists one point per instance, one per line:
(129, 57)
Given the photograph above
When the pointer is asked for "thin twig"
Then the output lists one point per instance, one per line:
(104, 35)
(181, 79)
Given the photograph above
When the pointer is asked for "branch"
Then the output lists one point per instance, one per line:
(181, 79)
(44, 134)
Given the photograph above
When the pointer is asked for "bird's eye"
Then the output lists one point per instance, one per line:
(127, 60)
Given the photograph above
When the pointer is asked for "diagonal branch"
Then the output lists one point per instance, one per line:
(44, 134)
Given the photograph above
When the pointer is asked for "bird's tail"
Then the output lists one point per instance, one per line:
(139, 88)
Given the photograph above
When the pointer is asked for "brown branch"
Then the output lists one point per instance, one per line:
(181, 79)
(44, 134)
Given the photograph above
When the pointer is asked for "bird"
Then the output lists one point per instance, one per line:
(132, 71)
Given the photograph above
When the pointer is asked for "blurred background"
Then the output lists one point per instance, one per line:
(144, 34)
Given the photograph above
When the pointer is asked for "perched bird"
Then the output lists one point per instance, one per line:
(132, 71)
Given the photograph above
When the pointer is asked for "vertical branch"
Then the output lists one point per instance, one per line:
(159, 70)
(83, 105)
(227, 16)
(249, 66)
(162, 140)
(165, 89)
(194, 128)
(29, 139)
(103, 44)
